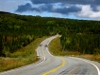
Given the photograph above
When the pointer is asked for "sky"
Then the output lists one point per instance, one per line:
(74, 9)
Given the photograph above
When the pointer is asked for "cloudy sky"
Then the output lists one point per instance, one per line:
(76, 9)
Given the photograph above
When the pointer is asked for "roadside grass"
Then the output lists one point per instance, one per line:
(56, 49)
(91, 57)
(21, 57)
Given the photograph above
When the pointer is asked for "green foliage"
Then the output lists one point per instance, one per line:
(86, 42)
(17, 31)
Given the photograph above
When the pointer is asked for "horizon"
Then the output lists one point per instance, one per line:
(81, 10)
(48, 16)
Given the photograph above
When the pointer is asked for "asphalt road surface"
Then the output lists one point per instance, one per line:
(53, 65)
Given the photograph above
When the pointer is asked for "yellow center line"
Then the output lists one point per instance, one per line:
(55, 69)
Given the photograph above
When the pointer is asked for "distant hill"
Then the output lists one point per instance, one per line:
(3, 12)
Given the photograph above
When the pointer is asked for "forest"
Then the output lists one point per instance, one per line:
(17, 31)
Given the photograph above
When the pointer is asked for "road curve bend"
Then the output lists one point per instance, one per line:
(53, 65)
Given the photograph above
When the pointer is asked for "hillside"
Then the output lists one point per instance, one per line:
(17, 31)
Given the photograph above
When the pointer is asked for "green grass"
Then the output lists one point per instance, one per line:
(56, 49)
(22, 56)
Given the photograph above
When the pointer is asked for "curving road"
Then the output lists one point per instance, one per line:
(52, 65)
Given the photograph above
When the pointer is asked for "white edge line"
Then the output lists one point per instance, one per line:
(90, 63)
(94, 66)
(48, 44)
(49, 52)
(41, 61)
(44, 58)
(37, 51)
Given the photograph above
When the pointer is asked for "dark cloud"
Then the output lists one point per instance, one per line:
(26, 7)
(64, 10)
(42, 1)
(48, 8)
(92, 3)
(94, 8)
(23, 8)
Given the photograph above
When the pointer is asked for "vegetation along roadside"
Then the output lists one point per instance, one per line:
(22, 56)
(56, 49)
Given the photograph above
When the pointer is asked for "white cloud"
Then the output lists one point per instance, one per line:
(87, 12)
